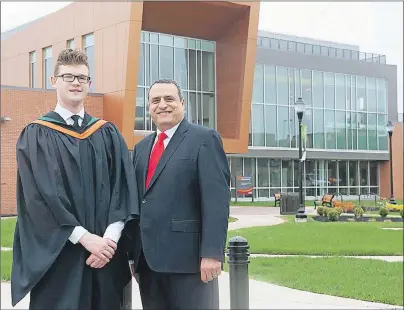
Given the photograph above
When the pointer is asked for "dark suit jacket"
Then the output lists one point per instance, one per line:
(185, 210)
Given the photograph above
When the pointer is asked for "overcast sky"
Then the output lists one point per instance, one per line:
(377, 27)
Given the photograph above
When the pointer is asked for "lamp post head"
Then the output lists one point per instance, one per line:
(390, 127)
(300, 107)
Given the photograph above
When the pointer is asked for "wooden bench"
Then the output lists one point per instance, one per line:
(325, 200)
(277, 199)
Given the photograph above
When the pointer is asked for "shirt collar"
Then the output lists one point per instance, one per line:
(66, 114)
(169, 132)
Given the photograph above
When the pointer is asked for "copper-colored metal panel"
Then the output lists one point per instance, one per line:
(121, 43)
(109, 53)
(203, 20)
(78, 43)
(128, 108)
(113, 108)
(235, 54)
(136, 11)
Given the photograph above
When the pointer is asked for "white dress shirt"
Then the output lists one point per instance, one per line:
(169, 132)
(114, 230)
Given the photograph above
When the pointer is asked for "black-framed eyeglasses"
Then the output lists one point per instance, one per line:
(83, 79)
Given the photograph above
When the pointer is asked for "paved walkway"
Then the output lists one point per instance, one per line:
(262, 295)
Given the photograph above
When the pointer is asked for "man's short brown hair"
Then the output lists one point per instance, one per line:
(69, 57)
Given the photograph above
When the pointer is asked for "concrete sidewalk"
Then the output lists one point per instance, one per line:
(262, 296)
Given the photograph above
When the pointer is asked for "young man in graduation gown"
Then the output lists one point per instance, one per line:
(76, 190)
(183, 184)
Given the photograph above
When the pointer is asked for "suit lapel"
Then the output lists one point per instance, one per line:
(175, 141)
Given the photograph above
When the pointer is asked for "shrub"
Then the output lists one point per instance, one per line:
(337, 204)
(339, 210)
(320, 211)
(325, 210)
(332, 215)
(348, 207)
(358, 211)
(383, 211)
(402, 213)
(392, 207)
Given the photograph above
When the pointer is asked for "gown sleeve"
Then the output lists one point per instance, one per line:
(44, 223)
(124, 202)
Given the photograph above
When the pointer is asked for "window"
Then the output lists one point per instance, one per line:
(271, 125)
(318, 89)
(329, 85)
(191, 62)
(258, 125)
(88, 46)
(47, 67)
(330, 129)
(70, 44)
(319, 129)
(340, 92)
(258, 89)
(32, 72)
(371, 94)
(270, 85)
(306, 86)
(340, 130)
(360, 93)
(282, 85)
(381, 95)
(372, 131)
(283, 127)
(381, 132)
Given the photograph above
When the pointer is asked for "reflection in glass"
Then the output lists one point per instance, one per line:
(181, 67)
(282, 84)
(271, 125)
(371, 94)
(381, 130)
(319, 138)
(372, 131)
(318, 89)
(263, 172)
(283, 126)
(381, 95)
(329, 85)
(330, 129)
(258, 89)
(341, 130)
(270, 85)
(258, 125)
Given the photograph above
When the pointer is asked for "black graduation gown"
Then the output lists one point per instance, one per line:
(62, 182)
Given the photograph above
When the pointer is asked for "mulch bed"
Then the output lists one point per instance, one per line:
(346, 218)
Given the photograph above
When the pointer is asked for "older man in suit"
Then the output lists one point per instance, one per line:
(183, 182)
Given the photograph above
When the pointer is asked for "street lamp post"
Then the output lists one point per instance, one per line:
(389, 128)
(300, 107)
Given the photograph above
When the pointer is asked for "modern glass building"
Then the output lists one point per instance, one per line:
(346, 110)
(348, 96)
(238, 80)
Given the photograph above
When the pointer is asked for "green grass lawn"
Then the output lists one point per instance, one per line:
(232, 219)
(332, 238)
(7, 232)
(6, 261)
(370, 280)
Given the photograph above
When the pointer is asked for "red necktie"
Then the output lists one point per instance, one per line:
(155, 157)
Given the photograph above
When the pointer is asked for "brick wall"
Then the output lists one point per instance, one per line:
(398, 166)
(23, 105)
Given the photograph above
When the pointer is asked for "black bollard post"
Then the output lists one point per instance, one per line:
(126, 303)
(238, 272)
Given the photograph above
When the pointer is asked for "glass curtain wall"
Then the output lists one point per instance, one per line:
(191, 62)
(271, 176)
(344, 112)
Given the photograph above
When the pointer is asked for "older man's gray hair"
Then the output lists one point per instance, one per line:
(167, 81)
